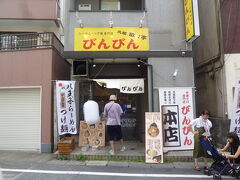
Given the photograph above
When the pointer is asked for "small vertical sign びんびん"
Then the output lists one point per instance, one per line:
(191, 16)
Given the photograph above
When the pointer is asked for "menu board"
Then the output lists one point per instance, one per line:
(92, 135)
(154, 138)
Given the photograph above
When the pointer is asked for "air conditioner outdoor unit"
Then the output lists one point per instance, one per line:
(80, 68)
(84, 7)
(8, 42)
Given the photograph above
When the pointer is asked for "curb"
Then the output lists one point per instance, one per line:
(81, 157)
(124, 164)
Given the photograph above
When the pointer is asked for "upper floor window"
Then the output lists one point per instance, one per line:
(109, 5)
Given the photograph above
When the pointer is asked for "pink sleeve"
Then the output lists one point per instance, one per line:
(105, 111)
(120, 111)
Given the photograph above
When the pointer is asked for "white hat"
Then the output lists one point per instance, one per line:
(113, 98)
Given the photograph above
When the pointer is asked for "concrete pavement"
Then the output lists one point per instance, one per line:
(28, 158)
(31, 165)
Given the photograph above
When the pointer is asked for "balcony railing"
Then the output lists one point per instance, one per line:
(30, 41)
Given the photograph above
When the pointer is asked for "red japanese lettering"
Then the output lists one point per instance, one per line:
(185, 109)
(131, 43)
(187, 141)
(186, 130)
(90, 42)
(120, 41)
(186, 121)
(103, 43)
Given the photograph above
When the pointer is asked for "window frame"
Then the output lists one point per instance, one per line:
(143, 8)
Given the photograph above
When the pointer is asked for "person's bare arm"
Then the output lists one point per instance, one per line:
(225, 147)
(191, 129)
(236, 155)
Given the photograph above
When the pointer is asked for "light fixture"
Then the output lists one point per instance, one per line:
(79, 20)
(183, 53)
(175, 74)
(94, 65)
(139, 65)
(141, 22)
(111, 20)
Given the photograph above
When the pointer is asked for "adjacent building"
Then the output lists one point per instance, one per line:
(216, 61)
(30, 61)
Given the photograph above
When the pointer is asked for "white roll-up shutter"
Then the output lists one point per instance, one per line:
(20, 122)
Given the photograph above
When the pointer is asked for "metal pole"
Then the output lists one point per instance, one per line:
(150, 86)
(91, 90)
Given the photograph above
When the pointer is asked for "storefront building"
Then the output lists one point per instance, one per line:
(160, 56)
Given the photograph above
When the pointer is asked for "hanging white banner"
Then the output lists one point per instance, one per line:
(235, 121)
(66, 110)
(130, 86)
(176, 107)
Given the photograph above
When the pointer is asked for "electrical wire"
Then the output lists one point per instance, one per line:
(99, 71)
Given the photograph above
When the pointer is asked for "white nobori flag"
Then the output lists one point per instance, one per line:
(66, 108)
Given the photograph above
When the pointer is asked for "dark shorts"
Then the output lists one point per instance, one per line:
(114, 133)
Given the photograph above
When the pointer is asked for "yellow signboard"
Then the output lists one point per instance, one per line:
(189, 22)
(111, 39)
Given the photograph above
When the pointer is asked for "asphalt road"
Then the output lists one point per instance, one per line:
(45, 171)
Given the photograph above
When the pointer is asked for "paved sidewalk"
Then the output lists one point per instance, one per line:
(18, 157)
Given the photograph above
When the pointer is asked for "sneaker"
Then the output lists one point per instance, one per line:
(123, 149)
(206, 168)
(111, 153)
(197, 168)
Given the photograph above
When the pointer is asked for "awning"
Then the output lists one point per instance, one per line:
(130, 86)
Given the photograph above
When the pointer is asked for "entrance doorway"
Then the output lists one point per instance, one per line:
(130, 103)
(134, 105)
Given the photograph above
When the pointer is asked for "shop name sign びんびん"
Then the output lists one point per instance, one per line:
(111, 39)
(176, 106)
(133, 86)
(129, 86)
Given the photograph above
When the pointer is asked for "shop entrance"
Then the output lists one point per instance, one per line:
(131, 120)
(134, 104)
(128, 102)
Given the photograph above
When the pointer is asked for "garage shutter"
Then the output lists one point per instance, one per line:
(20, 123)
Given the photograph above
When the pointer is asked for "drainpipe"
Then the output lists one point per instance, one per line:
(150, 86)
(91, 91)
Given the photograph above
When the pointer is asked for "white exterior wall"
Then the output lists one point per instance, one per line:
(232, 69)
